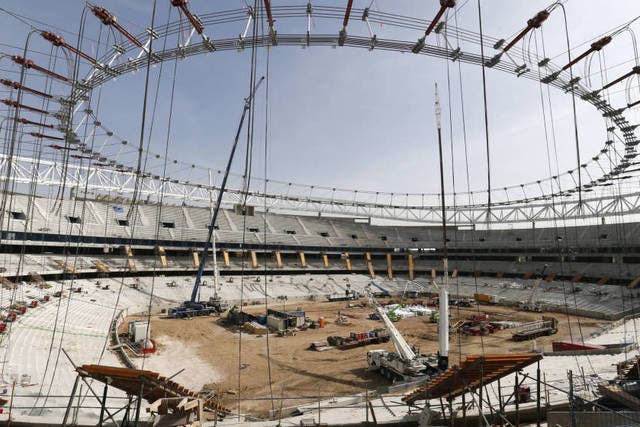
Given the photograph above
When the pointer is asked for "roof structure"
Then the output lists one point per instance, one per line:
(472, 373)
(154, 385)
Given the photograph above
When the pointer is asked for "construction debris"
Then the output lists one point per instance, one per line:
(255, 328)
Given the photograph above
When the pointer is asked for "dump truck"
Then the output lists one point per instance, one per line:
(528, 331)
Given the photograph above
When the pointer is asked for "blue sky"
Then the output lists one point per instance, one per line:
(346, 117)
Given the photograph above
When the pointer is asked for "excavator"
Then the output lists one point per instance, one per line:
(403, 364)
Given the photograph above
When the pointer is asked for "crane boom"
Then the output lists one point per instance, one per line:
(536, 286)
(401, 345)
(214, 217)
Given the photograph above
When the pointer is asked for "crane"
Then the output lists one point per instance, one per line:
(405, 362)
(531, 304)
(193, 307)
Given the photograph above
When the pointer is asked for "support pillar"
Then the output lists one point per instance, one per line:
(538, 413)
(500, 402)
(103, 403)
(130, 261)
(389, 267)
(163, 257)
(254, 260)
(303, 259)
(139, 402)
(325, 260)
(516, 393)
(464, 409)
(347, 260)
(68, 410)
(196, 259)
(372, 272)
(278, 259)
(225, 256)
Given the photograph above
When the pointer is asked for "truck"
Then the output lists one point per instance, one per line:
(488, 299)
(218, 305)
(545, 327)
(348, 295)
(403, 364)
(358, 339)
(191, 309)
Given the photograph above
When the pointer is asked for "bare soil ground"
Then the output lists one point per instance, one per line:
(298, 371)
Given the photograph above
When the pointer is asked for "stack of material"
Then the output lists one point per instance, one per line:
(320, 346)
(419, 310)
(397, 311)
(255, 328)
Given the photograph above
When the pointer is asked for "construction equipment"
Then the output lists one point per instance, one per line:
(539, 328)
(358, 339)
(488, 299)
(349, 295)
(193, 307)
(531, 304)
(404, 364)
(434, 317)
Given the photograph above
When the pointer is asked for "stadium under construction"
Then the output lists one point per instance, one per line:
(150, 277)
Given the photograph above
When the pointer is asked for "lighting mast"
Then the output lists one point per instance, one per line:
(443, 321)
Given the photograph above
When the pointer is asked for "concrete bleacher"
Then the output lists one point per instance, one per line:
(528, 249)
(188, 222)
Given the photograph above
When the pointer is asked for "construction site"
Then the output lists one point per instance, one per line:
(300, 370)
(313, 213)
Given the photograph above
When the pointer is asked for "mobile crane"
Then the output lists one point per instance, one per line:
(193, 307)
(531, 304)
(405, 363)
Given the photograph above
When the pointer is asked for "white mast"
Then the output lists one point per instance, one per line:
(443, 322)
(215, 258)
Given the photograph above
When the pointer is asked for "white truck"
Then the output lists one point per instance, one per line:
(404, 364)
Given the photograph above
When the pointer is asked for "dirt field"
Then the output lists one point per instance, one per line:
(297, 371)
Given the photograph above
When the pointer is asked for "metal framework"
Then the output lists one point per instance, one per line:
(99, 180)
(605, 195)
